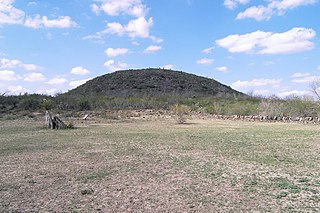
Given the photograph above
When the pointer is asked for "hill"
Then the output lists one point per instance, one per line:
(153, 83)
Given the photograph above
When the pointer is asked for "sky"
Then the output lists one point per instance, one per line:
(261, 47)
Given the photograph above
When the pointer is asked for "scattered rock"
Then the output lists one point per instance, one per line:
(87, 191)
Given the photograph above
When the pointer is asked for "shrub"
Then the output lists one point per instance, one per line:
(182, 112)
(84, 105)
(47, 104)
(30, 103)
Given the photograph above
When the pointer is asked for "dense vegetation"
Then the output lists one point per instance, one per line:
(147, 83)
(159, 89)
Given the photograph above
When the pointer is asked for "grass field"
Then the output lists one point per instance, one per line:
(160, 166)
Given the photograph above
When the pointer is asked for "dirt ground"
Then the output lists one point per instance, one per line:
(160, 166)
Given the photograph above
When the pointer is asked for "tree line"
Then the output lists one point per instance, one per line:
(271, 106)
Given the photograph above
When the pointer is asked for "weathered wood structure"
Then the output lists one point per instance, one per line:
(54, 122)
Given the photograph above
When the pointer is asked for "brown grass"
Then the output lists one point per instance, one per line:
(160, 166)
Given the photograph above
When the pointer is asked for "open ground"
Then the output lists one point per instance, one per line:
(160, 166)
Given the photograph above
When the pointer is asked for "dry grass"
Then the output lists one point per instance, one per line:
(158, 166)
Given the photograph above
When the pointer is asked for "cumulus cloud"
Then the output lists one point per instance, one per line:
(299, 75)
(208, 50)
(8, 75)
(16, 90)
(45, 22)
(79, 71)
(120, 7)
(205, 61)
(9, 64)
(152, 49)
(75, 84)
(293, 92)
(168, 66)
(259, 42)
(10, 15)
(303, 78)
(262, 92)
(222, 69)
(275, 7)
(111, 52)
(255, 83)
(30, 67)
(34, 77)
(232, 4)
(57, 81)
(112, 66)
(138, 27)
(12, 64)
(52, 91)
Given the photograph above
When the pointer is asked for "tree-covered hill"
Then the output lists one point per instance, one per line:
(146, 83)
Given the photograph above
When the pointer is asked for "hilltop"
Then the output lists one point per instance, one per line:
(153, 83)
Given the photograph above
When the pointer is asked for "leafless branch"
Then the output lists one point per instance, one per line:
(315, 86)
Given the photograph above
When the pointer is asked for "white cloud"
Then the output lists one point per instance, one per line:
(222, 69)
(120, 7)
(205, 61)
(11, 15)
(259, 42)
(8, 75)
(256, 83)
(275, 7)
(116, 52)
(79, 71)
(32, 3)
(30, 67)
(115, 66)
(152, 49)
(41, 22)
(114, 28)
(139, 27)
(135, 43)
(16, 90)
(34, 77)
(75, 84)
(232, 4)
(136, 28)
(306, 79)
(9, 64)
(168, 66)
(258, 13)
(293, 92)
(48, 91)
(318, 67)
(262, 92)
(208, 50)
(95, 8)
(155, 39)
(299, 75)
(57, 81)
(12, 64)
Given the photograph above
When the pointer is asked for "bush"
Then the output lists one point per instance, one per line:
(182, 112)
(84, 105)
(30, 103)
(46, 104)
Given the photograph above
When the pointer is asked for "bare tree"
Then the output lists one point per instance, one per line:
(315, 88)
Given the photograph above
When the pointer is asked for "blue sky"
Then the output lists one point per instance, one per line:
(262, 46)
